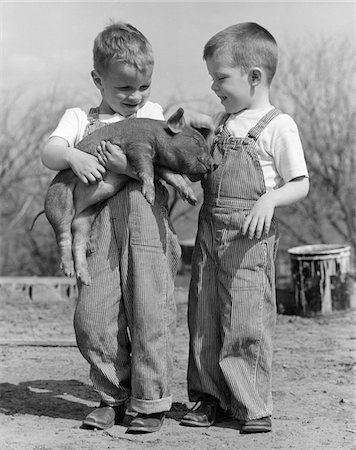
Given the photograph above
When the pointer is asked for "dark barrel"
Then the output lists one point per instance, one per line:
(321, 278)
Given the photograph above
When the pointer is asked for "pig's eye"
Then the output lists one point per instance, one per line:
(199, 141)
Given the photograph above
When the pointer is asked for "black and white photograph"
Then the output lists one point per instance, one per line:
(178, 225)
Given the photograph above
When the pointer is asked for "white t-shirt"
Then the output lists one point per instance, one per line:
(279, 146)
(72, 125)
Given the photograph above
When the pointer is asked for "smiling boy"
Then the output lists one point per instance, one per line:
(125, 319)
(261, 166)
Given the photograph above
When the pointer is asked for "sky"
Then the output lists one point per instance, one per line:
(48, 44)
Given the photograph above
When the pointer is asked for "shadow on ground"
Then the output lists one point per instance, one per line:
(65, 399)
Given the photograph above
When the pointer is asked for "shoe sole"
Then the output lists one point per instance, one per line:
(141, 430)
(255, 430)
(219, 419)
(94, 426)
(188, 423)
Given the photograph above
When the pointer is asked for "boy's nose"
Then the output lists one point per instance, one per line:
(214, 87)
(135, 96)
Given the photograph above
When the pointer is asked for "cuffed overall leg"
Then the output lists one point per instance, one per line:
(142, 279)
(152, 260)
(241, 316)
(205, 379)
(100, 319)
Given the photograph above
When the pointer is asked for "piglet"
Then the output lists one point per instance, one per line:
(71, 206)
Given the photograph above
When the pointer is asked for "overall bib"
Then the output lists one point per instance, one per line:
(125, 320)
(232, 308)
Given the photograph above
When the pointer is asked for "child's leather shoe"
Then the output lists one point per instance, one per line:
(146, 423)
(104, 417)
(262, 425)
(204, 414)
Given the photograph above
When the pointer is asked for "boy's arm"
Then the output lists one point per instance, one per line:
(58, 155)
(199, 120)
(258, 221)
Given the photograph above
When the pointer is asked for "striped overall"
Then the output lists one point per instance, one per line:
(232, 308)
(125, 320)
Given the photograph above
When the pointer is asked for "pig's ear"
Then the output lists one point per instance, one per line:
(176, 122)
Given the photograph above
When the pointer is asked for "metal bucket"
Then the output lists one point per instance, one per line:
(321, 278)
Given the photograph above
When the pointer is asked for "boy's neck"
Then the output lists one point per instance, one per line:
(106, 112)
(260, 100)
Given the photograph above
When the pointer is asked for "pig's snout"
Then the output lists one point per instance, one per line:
(208, 163)
(209, 166)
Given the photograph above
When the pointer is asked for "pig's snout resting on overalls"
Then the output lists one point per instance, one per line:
(206, 162)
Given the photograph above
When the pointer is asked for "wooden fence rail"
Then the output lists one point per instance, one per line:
(64, 286)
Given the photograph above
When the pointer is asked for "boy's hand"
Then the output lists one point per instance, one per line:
(258, 221)
(87, 167)
(112, 157)
(199, 120)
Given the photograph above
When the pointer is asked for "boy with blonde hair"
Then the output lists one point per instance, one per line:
(125, 320)
(232, 307)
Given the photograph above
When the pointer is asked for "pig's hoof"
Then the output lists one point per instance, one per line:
(190, 197)
(84, 278)
(67, 268)
(150, 198)
(69, 274)
(192, 200)
(149, 194)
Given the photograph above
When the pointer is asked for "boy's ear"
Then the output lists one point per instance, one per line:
(97, 79)
(176, 122)
(254, 76)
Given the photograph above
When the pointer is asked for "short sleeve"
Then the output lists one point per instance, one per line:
(288, 151)
(71, 126)
(151, 111)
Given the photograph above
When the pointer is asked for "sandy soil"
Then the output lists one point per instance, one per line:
(45, 389)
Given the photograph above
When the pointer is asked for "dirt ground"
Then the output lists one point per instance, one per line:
(45, 388)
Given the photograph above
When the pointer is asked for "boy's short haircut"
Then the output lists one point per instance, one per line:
(245, 45)
(121, 42)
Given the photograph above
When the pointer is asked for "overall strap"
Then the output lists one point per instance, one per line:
(93, 121)
(255, 131)
(221, 129)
